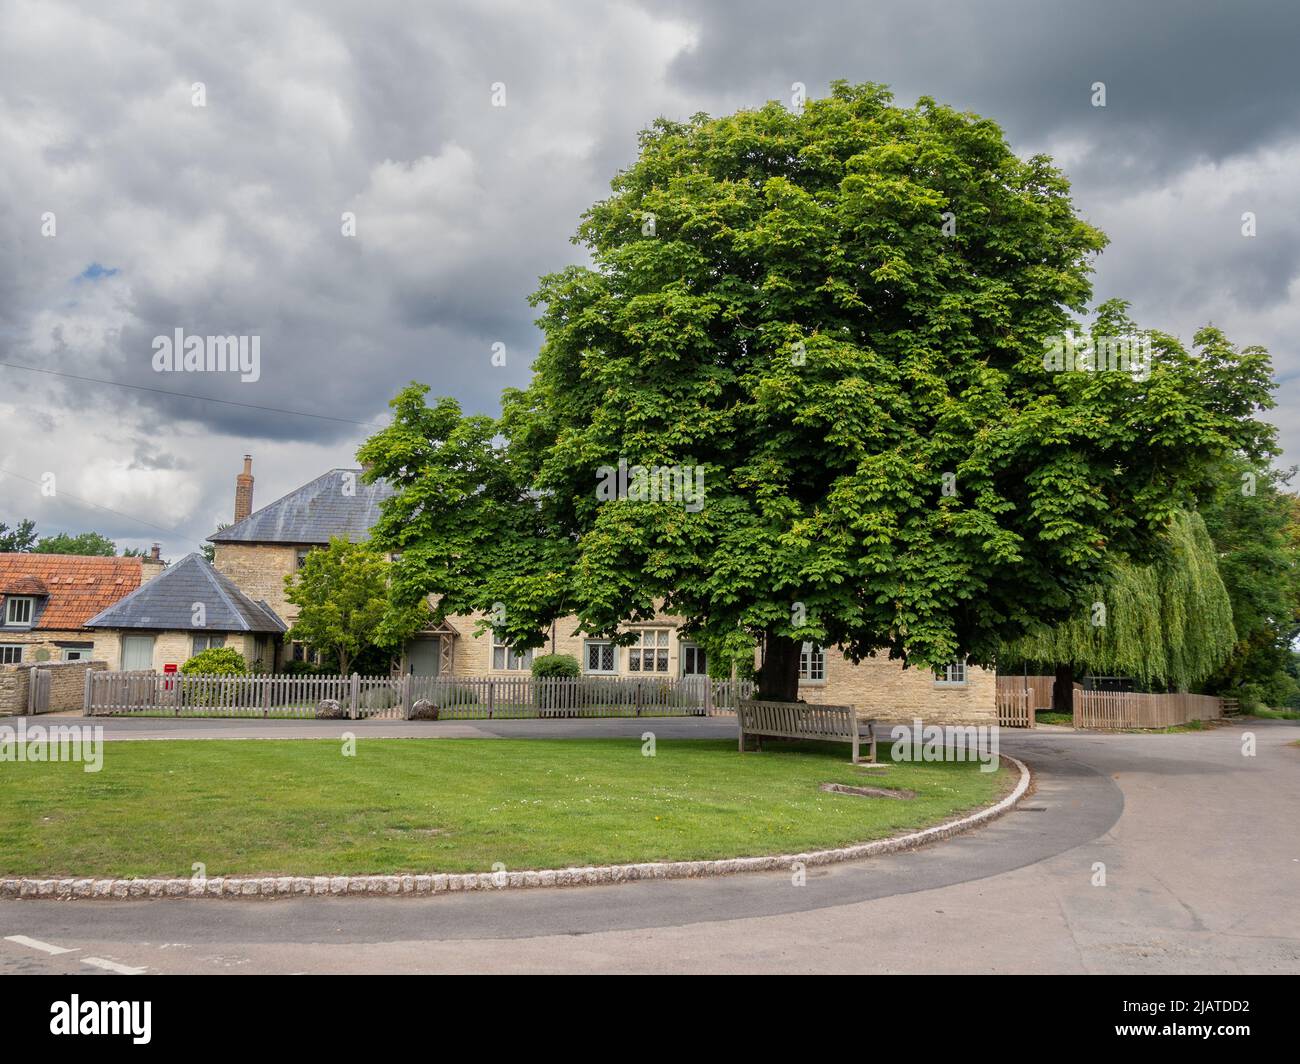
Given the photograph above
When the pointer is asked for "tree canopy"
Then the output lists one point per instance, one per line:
(1255, 525)
(1168, 623)
(20, 538)
(838, 319)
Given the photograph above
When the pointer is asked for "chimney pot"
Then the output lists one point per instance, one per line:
(244, 490)
(155, 552)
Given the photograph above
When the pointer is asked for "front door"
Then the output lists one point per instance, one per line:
(423, 656)
(137, 653)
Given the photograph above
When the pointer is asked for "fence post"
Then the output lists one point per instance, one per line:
(87, 704)
(491, 699)
(356, 694)
(708, 695)
(638, 698)
(406, 696)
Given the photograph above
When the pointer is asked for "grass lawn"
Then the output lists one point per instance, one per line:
(298, 807)
(1275, 714)
(1048, 716)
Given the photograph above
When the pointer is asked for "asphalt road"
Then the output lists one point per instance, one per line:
(1200, 846)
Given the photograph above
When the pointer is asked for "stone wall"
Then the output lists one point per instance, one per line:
(173, 647)
(880, 688)
(883, 689)
(259, 571)
(42, 645)
(67, 686)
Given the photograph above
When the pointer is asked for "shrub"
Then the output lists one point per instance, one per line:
(216, 661)
(304, 668)
(556, 665)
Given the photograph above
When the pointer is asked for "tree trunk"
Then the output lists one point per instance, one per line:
(1063, 690)
(778, 679)
(344, 662)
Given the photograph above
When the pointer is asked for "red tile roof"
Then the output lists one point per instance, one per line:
(78, 587)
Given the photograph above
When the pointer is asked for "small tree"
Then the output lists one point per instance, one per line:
(342, 595)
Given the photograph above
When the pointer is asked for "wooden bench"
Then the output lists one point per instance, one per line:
(798, 720)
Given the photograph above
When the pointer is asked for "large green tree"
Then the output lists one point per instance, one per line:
(93, 544)
(839, 317)
(20, 538)
(344, 604)
(1168, 623)
(1255, 524)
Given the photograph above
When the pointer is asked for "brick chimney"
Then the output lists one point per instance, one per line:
(152, 564)
(244, 490)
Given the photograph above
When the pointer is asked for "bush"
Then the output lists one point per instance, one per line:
(216, 661)
(556, 665)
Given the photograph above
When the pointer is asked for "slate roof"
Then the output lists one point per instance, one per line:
(337, 503)
(69, 588)
(167, 602)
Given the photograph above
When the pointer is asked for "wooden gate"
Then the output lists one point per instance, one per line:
(38, 691)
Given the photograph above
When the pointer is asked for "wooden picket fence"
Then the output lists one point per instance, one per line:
(395, 697)
(1014, 705)
(1121, 709)
(1019, 696)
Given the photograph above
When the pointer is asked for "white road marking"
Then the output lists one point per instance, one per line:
(112, 966)
(34, 943)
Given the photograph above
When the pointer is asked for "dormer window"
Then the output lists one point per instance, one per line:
(19, 610)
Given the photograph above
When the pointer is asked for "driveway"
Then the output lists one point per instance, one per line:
(1200, 848)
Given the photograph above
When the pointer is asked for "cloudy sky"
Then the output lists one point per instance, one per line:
(226, 218)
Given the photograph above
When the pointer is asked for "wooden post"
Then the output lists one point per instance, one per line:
(87, 706)
(405, 686)
(638, 698)
(266, 696)
(356, 695)
(491, 699)
(708, 695)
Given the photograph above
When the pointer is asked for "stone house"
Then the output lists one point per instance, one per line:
(189, 608)
(262, 547)
(46, 601)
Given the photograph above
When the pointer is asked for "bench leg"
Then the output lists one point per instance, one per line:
(856, 759)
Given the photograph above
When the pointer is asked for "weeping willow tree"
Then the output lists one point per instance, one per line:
(1166, 624)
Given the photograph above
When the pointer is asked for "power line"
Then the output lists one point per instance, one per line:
(97, 506)
(184, 395)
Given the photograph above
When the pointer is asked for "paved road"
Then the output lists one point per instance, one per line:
(1200, 846)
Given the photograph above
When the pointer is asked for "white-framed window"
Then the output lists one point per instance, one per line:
(200, 643)
(19, 610)
(599, 655)
(11, 653)
(302, 652)
(507, 659)
(812, 663)
(694, 662)
(137, 653)
(952, 674)
(650, 652)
